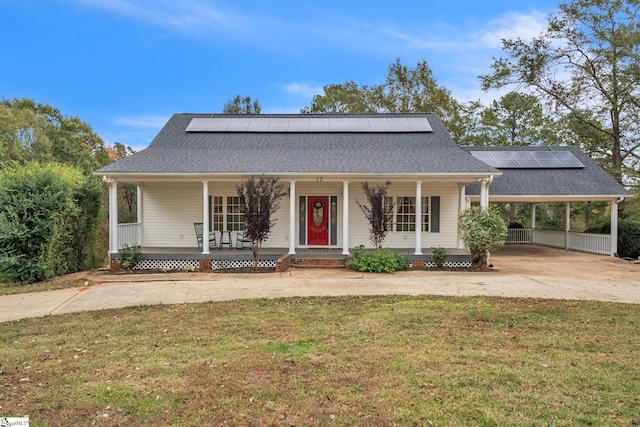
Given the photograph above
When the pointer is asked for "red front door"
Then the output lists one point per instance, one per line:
(318, 220)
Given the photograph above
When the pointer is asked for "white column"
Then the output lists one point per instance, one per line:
(567, 227)
(533, 216)
(139, 203)
(292, 218)
(614, 227)
(483, 194)
(205, 217)
(462, 206)
(418, 218)
(139, 207)
(113, 217)
(345, 217)
(533, 223)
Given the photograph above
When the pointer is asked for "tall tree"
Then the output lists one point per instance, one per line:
(38, 132)
(585, 65)
(515, 119)
(347, 97)
(242, 105)
(405, 90)
(127, 193)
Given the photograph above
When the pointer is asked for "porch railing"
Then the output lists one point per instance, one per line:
(129, 234)
(555, 239)
(519, 236)
(582, 242)
(594, 243)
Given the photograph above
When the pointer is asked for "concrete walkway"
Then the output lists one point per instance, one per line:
(522, 273)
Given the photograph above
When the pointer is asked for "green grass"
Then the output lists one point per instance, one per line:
(328, 361)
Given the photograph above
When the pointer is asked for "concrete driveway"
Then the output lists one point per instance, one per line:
(519, 271)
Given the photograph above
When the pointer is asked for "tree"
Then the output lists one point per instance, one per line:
(347, 97)
(127, 193)
(259, 200)
(482, 231)
(39, 132)
(49, 215)
(378, 213)
(242, 105)
(513, 120)
(585, 66)
(405, 90)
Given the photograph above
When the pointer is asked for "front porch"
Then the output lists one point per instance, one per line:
(159, 258)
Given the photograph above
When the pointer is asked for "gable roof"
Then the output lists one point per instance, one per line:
(297, 143)
(575, 176)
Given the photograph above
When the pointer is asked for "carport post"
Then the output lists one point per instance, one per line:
(533, 216)
(567, 225)
(614, 227)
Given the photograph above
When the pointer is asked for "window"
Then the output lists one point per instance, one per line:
(217, 214)
(235, 217)
(406, 214)
(425, 214)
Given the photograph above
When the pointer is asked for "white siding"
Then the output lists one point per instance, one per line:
(448, 235)
(170, 209)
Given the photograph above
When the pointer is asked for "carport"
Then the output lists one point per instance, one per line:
(544, 174)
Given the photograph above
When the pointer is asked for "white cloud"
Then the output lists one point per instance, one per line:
(142, 122)
(302, 89)
(512, 26)
(190, 17)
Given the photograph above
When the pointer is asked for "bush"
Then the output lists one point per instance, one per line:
(381, 260)
(628, 237)
(48, 219)
(482, 231)
(130, 256)
(439, 257)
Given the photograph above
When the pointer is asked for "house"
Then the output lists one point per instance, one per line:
(189, 173)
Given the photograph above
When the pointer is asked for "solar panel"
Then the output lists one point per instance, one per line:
(309, 124)
(525, 159)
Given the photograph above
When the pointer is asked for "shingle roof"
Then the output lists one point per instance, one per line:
(174, 150)
(591, 180)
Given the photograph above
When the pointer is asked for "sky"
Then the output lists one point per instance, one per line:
(125, 66)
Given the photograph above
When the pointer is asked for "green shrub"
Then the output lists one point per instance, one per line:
(439, 257)
(381, 260)
(48, 219)
(482, 231)
(130, 256)
(628, 237)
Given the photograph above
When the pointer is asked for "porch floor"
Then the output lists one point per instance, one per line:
(275, 253)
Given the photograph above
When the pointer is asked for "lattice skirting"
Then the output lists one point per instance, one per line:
(168, 264)
(450, 264)
(192, 264)
(228, 263)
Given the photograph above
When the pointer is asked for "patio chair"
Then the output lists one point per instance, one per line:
(212, 236)
(242, 241)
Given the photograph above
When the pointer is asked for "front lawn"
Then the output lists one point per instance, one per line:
(328, 361)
